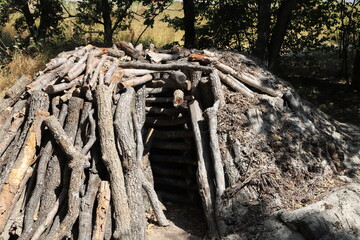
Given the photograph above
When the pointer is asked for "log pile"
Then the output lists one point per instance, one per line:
(77, 140)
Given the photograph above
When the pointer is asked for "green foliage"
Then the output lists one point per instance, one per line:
(92, 12)
(232, 23)
(39, 18)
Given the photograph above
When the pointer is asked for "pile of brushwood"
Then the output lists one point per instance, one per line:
(73, 146)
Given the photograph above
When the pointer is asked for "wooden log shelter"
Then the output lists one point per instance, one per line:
(77, 141)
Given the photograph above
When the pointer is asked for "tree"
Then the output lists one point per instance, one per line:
(263, 30)
(356, 68)
(103, 12)
(189, 23)
(40, 19)
(115, 15)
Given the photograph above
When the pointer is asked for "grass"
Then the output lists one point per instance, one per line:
(20, 64)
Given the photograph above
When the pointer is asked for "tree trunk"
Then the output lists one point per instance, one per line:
(45, 18)
(263, 29)
(189, 23)
(356, 68)
(279, 30)
(29, 19)
(106, 10)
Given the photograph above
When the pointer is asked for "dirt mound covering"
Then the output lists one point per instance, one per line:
(279, 153)
(91, 146)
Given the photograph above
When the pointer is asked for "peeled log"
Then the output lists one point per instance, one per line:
(235, 84)
(159, 57)
(137, 81)
(247, 80)
(178, 98)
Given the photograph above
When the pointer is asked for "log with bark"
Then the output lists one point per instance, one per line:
(72, 157)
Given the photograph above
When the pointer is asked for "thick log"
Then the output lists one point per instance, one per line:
(172, 159)
(216, 88)
(67, 66)
(49, 218)
(231, 171)
(125, 136)
(40, 180)
(55, 101)
(18, 88)
(115, 52)
(91, 64)
(162, 134)
(15, 218)
(87, 205)
(136, 81)
(165, 67)
(195, 77)
(160, 57)
(112, 162)
(102, 211)
(13, 180)
(247, 80)
(156, 121)
(44, 80)
(201, 58)
(130, 72)
(235, 84)
(12, 131)
(5, 118)
(110, 72)
(13, 94)
(72, 120)
(56, 62)
(96, 74)
(211, 117)
(81, 131)
(78, 68)
(204, 167)
(181, 79)
(129, 50)
(49, 169)
(37, 101)
(167, 83)
(158, 90)
(159, 99)
(52, 89)
(178, 98)
(165, 111)
(76, 163)
(116, 78)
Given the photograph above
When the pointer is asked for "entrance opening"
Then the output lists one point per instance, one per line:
(173, 159)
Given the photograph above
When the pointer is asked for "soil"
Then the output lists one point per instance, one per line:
(186, 223)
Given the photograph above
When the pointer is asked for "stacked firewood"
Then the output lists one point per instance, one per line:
(72, 157)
